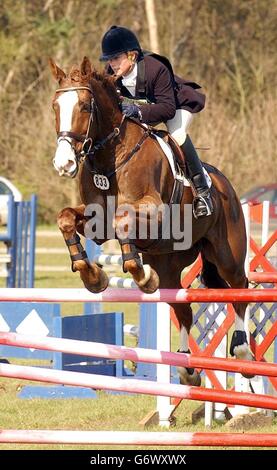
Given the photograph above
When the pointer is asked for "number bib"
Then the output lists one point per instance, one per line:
(101, 182)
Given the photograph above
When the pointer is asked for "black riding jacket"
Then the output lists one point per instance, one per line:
(165, 91)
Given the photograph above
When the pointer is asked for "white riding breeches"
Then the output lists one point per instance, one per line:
(178, 126)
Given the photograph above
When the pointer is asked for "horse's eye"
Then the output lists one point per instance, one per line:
(85, 107)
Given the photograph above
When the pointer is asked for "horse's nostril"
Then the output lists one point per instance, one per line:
(70, 165)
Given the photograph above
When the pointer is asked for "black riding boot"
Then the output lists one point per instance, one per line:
(202, 203)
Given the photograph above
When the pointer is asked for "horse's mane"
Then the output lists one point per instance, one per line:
(108, 83)
(95, 79)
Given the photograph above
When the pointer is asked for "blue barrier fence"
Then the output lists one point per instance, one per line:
(45, 319)
(20, 242)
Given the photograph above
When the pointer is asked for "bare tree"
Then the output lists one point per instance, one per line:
(152, 25)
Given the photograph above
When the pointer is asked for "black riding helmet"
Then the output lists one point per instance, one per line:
(117, 40)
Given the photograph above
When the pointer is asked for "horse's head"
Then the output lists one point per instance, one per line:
(78, 113)
(72, 105)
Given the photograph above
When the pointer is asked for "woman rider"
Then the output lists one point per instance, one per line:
(167, 98)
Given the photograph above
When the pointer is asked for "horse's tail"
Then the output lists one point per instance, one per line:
(210, 276)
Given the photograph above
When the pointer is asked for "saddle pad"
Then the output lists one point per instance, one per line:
(170, 157)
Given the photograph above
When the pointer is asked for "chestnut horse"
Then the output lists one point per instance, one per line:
(117, 157)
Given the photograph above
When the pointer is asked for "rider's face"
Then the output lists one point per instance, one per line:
(122, 64)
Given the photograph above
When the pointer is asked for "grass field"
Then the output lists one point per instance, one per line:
(108, 412)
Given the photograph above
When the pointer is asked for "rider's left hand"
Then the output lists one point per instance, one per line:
(131, 110)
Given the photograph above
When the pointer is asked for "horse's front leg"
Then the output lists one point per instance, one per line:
(144, 276)
(127, 226)
(69, 221)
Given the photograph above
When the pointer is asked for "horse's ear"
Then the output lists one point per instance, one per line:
(86, 67)
(57, 73)
(112, 77)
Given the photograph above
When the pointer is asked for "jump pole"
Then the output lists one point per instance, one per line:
(111, 351)
(137, 438)
(135, 295)
(241, 383)
(102, 382)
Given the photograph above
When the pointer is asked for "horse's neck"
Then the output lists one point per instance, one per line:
(117, 149)
(107, 123)
(108, 116)
(130, 135)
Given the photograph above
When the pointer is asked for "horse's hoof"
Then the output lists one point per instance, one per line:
(189, 379)
(250, 357)
(243, 353)
(101, 285)
(152, 284)
(248, 376)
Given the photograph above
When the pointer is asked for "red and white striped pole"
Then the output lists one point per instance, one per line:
(111, 351)
(102, 382)
(138, 438)
(135, 295)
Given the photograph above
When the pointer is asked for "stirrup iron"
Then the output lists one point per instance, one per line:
(199, 197)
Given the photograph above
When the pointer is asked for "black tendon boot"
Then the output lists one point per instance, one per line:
(202, 203)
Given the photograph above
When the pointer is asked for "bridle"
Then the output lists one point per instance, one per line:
(67, 135)
(87, 148)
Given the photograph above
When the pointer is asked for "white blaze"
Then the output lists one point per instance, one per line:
(67, 101)
(64, 160)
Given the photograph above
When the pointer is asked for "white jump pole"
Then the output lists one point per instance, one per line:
(257, 382)
(216, 410)
(241, 383)
(164, 407)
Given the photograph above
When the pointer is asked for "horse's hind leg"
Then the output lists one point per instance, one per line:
(169, 268)
(183, 312)
(223, 272)
(93, 277)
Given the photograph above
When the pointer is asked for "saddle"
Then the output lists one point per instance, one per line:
(179, 157)
(179, 164)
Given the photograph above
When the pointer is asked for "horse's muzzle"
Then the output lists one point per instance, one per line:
(71, 172)
(65, 161)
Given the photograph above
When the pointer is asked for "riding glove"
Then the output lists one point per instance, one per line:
(131, 110)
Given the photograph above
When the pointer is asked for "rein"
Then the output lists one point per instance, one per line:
(136, 148)
(100, 145)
